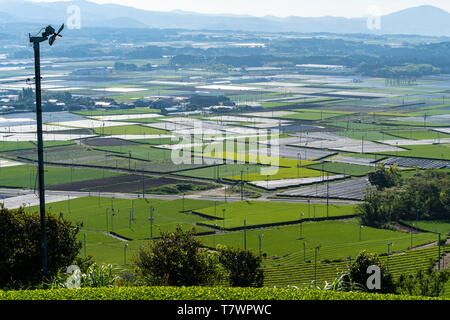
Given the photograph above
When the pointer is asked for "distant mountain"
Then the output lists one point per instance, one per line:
(424, 20)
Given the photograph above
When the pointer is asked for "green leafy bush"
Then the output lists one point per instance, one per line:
(243, 267)
(20, 252)
(425, 283)
(355, 278)
(177, 259)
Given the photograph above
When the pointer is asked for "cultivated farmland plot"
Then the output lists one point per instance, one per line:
(167, 126)
(31, 200)
(30, 128)
(90, 123)
(141, 137)
(269, 114)
(25, 176)
(417, 134)
(430, 151)
(25, 137)
(311, 136)
(112, 160)
(444, 118)
(348, 145)
(297, 272)
(354, 160)
(4, 163)
(419, 163)
(226, 171)
(285, 183)
(108, 142)
(131, 216)
(272, 122)
(122, 117)
(28, 118)
(443, 130)
(338, 240)
(299, 153)
(261, 213)
(131, 183)
(408, 142)
(350, 189)
(342, 167)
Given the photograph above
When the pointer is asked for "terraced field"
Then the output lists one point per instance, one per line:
(256, 213)
(282, 273)
(131, 217)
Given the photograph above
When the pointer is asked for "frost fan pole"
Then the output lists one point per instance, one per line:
(49, 32)
(37, 67)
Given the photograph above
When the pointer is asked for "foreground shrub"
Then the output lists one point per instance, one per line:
(177, 259)
(20, 250)
(243, 267)
(355, 278)
(425, 283)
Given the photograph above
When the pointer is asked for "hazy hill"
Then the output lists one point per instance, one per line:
(424, 20)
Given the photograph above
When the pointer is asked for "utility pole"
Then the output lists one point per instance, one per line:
(242, 187)
(301, 225)
(315, 264)
(84, 245)
(182, 203)
(260, 243)
(439, 251)
(304, 251)
(143, 186)
(328, 189)
(107, 218)
(223, 212)
(49, 32)
(389, 245)
(245, 234)
(151, 222)
(129, 160)
(309, 207)
(112, 221)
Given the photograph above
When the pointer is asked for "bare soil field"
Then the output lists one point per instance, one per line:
(108, 142)
(120, 184)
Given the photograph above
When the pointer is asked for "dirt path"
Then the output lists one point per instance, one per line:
(405, 228)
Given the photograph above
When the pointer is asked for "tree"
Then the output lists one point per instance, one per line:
(243, 267)
(357, 273)
(383, 178)
(177, 259)
(20, 252)
(372, 212)
(424, 283)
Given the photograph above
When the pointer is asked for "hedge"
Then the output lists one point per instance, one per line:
(195, 293)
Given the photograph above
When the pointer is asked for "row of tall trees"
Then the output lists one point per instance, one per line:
(423, 196)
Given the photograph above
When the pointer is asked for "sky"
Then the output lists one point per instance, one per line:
(281, 8)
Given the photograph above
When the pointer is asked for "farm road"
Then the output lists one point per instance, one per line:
(15, 198)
